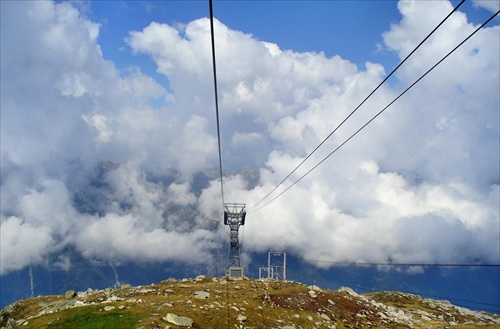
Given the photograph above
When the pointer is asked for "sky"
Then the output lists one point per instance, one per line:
(109, 140)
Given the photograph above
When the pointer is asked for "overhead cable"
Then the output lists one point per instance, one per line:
(357, 107)
(216, 99)
(403, 264)
(484, 306)
(218, 130)
(385, 108)
(380, 288)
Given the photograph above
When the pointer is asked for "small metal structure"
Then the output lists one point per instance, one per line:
(277, 268)
(267, 271)
(234, 216)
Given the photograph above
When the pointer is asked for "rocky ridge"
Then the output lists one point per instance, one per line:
(218, 303)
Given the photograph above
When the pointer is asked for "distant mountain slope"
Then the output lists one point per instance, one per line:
(217, 303)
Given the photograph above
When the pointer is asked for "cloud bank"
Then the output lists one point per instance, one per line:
(120, 168)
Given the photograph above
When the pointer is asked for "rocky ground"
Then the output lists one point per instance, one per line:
(249, 303)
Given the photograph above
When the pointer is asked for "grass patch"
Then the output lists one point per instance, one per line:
(87, 318)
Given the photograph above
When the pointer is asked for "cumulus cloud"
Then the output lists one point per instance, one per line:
(115, 166)
(22, 244)
(492, 6)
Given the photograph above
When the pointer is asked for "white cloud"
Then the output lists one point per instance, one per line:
(63, 263)
(123, 239)
(98, 121)
(180, 194)
(492, 6)
(88, 161)
(22, 244)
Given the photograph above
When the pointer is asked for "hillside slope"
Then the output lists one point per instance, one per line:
(248, 303)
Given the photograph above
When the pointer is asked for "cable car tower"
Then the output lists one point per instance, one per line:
(234, 216)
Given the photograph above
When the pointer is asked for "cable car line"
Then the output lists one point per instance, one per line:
(360, 104)
(216, 99)
(354, 134)
(385, 287)
(401, 264)
(385, 108)
(382, 288)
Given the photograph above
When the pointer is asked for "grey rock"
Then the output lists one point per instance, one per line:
(69, 294)
(172, 280)
(178, 320)
(59, 306)
(325, 317)
(11, 323)
(201, 294)
(109, 308)
(349, 291)
(315, 288)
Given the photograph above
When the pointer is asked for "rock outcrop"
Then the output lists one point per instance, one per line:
(178, 320)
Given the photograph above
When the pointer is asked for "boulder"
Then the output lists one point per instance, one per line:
(178, 320)
(349, 291)
(11, 323)
(60, 305)
(314, 288)
(325, 317)
(201, 294)
(171, 280)
(69, 294)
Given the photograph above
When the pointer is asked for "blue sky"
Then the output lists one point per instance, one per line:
(350, 29)
(108, 129)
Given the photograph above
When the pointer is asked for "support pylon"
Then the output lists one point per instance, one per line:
(234, 216)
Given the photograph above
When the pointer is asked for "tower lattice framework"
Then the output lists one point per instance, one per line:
(234, 217)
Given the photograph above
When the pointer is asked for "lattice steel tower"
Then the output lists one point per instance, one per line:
(234, 216)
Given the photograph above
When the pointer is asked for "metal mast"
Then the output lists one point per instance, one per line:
(234, 216)
(277, 268)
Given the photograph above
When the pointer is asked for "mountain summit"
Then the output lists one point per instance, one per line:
(249, 303)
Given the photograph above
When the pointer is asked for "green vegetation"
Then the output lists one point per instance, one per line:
(87, 318)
